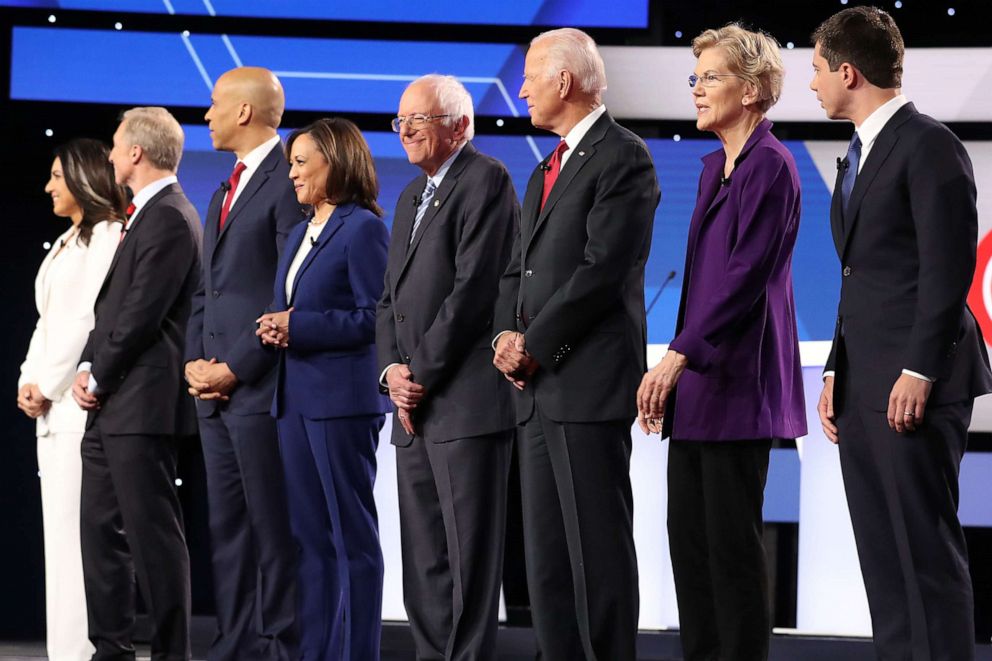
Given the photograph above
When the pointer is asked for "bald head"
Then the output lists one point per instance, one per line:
(246, 108)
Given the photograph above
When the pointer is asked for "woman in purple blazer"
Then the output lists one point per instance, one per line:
(735, 356)
(327, 406)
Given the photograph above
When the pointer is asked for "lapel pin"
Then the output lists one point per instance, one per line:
(437, 203)
(582, 153)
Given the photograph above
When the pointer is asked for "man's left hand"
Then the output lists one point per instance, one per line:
(907, 402)
(209, 380)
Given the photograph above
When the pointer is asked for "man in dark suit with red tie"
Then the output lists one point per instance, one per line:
(130, 381)
(907, 359)
(571, 338)
(233, 377)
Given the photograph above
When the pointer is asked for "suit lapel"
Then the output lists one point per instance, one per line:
(258, 179)
(880, 150)
(406, 214)
(135, 224)
(212, 221)
(334, 223)
(584, 153)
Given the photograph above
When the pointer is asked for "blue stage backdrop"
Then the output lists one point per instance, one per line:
(579, 13)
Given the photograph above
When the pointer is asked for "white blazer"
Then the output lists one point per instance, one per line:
(65, 292)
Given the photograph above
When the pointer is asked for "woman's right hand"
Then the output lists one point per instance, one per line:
(31, 401)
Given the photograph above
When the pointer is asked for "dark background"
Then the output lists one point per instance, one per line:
(28, 222)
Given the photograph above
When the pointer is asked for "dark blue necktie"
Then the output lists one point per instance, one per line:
(851, 173)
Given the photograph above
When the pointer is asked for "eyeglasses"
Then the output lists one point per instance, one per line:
(709, 79)
(413, 122)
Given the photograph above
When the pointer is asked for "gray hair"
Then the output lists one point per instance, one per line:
(574, 51)
(158, 134)
(754, 56)
(453, 100)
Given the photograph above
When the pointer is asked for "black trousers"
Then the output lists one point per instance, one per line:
(131, 526)
(254, 558)
(715, 495)
(578, 538)
(452, 499)
(902, 491)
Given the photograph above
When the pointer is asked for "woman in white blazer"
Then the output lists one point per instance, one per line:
(82, 189)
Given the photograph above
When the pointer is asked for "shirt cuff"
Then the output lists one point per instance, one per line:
(85, 366)
(496, 339)
(918, 375)
(382, 377)
(829, 373)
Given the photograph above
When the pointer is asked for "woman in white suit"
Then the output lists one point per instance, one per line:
(82, 189)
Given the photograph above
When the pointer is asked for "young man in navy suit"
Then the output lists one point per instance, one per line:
(232, 376)
(907, 359)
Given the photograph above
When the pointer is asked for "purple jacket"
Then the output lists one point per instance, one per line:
(737, 317)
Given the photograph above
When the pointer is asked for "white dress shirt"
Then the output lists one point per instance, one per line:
(252, 161)
(311, 236)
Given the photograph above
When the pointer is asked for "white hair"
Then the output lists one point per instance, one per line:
(158, 134)
(574, 51)
(452, 99)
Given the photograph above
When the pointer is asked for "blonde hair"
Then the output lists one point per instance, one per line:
(574, 51)
(158, 134)
(754, 56)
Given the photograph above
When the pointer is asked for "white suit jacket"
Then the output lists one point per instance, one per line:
(65, 291)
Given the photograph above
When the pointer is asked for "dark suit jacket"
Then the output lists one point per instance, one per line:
(436, 311)
(575, 282)
(239, 266)
(136, 345)
(737, 316)
(329, 368)
(907, 245)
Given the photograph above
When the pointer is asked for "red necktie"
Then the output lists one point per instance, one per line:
(554, 167)
(127, 213)
(233, 186)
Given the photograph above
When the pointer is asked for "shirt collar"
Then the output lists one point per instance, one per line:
(254, 158)
(142, 197)
(443, 170)
(875, 122)
(574, 137)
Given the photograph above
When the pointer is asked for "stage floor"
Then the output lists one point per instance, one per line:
(517, 644)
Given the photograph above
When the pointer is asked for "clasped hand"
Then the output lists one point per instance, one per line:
(513, 360)
(656, 385)
(404, 393)
(273, 328)
(209, 380)
(31, 401)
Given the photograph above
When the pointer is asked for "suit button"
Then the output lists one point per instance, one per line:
(406, 359)
(528, 273)
(211, 336)
(847, 271)
(216, 294)
(400, 318)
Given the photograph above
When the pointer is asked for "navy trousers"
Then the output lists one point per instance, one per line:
(330, 471)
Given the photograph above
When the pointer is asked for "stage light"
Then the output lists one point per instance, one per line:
(47, 245)
(843, 2)
(49, 132)
(185, 33)
(118, 25)
(499, 122)
(950, 11)
(898, 4)
(179, 482)
(677, 138)
(678, 34)
(790, 45)
(51, 18)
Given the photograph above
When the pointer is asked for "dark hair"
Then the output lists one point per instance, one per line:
(352, 175)
(866, 38)
(89, 176)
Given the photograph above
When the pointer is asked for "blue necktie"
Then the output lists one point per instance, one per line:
(851, 173)
(425, 201)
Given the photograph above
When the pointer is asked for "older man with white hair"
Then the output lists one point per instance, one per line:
(451, 238)
(572, 340)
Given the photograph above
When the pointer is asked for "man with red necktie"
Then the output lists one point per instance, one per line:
(571, 339)
(232, 376)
